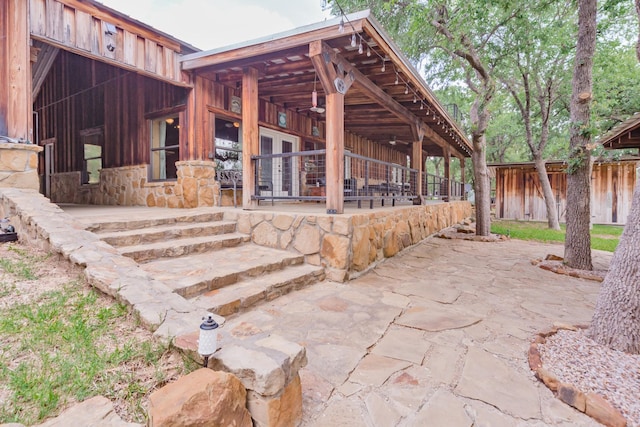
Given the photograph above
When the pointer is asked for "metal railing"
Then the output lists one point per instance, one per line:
(302, 176)
(436, 188)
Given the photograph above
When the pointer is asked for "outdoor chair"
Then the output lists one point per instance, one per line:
(229, 179)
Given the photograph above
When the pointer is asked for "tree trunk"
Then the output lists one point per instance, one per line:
(547, 192)
(482, 186)
(577, 245)
(615, 320)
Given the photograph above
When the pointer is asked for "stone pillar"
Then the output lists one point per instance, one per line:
(19, 166)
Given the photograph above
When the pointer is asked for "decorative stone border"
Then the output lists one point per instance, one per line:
(555, 264)
(591, 404)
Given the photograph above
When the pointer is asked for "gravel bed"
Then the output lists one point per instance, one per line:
(576, 359)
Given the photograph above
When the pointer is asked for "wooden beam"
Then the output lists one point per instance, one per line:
(287, 41)
(250, 135)
(367, 86)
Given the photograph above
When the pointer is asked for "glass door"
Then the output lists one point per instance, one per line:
(279, 173)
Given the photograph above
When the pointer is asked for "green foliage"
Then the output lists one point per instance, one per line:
(64, 348)
(603, 237)
(541, 36)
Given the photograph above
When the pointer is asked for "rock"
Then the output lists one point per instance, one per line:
(380, 412)
(265, 235)
(335, 249)
(202, 398)
(552, 257)
(443, 409)
(602, 411)
(280, 411)
(307, 240)
(572, 396)
(97, 411)
(485, 377)
(548, 379)
(535, 361)
(435, 317)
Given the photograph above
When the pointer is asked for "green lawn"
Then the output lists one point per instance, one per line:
(62, 342)
(603, 237)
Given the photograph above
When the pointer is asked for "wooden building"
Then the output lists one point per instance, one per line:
(128, 115)
(519, 195)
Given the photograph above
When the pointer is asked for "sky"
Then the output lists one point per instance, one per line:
(208, 24)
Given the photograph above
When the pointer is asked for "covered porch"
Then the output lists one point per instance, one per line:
(330, 113)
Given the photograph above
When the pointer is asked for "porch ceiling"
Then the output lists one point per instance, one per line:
(403, 108)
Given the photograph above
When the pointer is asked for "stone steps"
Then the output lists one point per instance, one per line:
(202, 258)
(198, 273)
(181, 247)
(153, 220)
(166, 232)
(252, 291)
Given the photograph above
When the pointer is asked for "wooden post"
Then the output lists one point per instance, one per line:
(417, 163)
(463, 178)
(447, 171)
(16, 106)
(335, 153)
(250, 135)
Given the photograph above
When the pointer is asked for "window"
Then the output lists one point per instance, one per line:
(228, 144)
(92, 163)
(92, 151)
(165, 147)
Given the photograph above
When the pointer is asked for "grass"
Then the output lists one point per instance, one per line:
(71, 343)
(603, 237)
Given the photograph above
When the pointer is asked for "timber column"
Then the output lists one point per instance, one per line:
(335, 153)
(15, 70)
(447, 171)
(250, 135)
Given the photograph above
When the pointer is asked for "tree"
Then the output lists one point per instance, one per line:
(577, 245)
(534, 74)
(459, 37)
(616, 319)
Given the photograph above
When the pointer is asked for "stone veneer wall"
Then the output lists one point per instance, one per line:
(347, 245)
(128, 186)
(19, 165)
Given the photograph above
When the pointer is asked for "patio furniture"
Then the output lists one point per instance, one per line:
(229, 179)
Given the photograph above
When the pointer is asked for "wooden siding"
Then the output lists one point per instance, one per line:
(85, 29)
(519, 195)
(80, 94)
(4, 67)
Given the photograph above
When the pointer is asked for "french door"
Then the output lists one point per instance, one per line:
(278, 174)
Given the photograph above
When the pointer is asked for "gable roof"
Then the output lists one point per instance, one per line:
(387, 102)
(624, 135)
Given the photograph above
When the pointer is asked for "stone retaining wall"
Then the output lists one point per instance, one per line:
(19, 165)
(129, 186)
(347, 245)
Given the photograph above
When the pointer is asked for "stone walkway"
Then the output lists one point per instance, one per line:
(436, 336)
